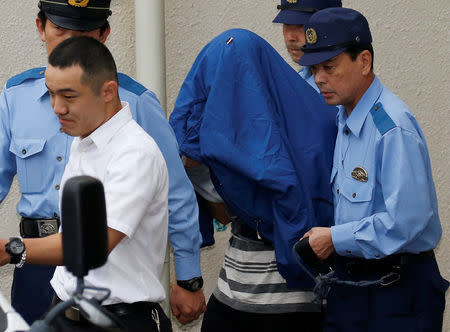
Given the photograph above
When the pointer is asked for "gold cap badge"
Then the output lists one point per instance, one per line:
(292, 1)
(78, 3)
(360, 174)
(311, 36)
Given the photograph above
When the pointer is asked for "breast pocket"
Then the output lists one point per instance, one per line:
(30, 164)
(356, 199)
(356, 191)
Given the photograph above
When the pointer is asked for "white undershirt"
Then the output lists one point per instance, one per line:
(132, 169)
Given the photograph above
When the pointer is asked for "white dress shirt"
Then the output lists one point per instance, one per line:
(132, 169)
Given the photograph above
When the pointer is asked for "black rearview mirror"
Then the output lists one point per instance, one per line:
(83, 214)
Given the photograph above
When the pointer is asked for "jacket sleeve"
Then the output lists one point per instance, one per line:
(7, 160)
(184, 233)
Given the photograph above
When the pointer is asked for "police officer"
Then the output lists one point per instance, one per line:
(386, 216)
(33, 147)
(294, 14)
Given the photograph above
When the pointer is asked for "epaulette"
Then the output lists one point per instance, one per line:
(131, 85)
(382, 120)
(34, 73)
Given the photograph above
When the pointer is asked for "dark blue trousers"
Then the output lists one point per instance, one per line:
(31, 292)
(415, 303)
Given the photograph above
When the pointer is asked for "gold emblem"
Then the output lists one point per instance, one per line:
(78, 3)
(360, 174)
(292, 1)
(311, 36)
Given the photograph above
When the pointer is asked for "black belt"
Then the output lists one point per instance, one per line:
(30, 228)
(392, 263)
(239, 227)
(118, 309)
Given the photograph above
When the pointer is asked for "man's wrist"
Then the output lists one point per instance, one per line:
(192, 285)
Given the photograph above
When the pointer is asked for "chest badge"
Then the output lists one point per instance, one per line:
(360, 174)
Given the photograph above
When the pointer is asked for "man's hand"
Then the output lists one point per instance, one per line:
(187, 306)
(320, 241)
(5, 258)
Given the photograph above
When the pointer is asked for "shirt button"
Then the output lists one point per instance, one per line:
(55, 215)
(376, 108)
(59, 158)
(348, 251)
(337, 191)
(354, 195)
(57, 187)
(342, 161)
(346, 132)
(24, 151)
(377, 255)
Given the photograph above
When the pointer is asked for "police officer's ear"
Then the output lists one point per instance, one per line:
(365, 58)
(104, 34)
(41, 28)
(109, 91)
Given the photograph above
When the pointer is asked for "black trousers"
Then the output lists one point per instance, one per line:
(137, 321)
(220, 317)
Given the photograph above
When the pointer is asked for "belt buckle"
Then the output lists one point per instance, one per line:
(47, 227)
(389, 279)
(73, 313)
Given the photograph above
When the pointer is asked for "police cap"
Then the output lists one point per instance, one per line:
(82, 15)
(331, 31)
(299, 11)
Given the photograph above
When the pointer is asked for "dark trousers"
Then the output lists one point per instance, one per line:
(415, 303)
(220, 317)
(31, 292)
(136, 321)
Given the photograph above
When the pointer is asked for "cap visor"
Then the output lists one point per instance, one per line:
(313, 58)
(75, 24)
(292, 17)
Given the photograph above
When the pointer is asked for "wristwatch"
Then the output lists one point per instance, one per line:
(191, 285)
(16, 249)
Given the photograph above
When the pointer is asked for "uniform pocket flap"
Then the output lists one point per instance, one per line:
(356, 191)
(26, 147)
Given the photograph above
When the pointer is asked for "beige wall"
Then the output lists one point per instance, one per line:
(412, 52)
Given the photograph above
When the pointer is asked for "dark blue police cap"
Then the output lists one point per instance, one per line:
(82, 15)
(299, 11)
(331, 31)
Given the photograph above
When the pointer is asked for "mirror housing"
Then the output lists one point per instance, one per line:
(84, 232)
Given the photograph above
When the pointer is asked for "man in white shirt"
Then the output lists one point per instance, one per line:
(82, 81)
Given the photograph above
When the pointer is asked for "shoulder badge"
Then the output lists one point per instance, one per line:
(360, 174)
(131, 85)
(34, 73)
(382, 120)
(78, 3)
(311, 36)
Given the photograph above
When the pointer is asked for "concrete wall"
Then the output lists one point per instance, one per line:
(412, 52)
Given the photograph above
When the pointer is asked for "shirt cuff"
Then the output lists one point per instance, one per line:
(187, 267)
(344, 241)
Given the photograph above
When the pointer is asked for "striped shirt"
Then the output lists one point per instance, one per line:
(249, 280)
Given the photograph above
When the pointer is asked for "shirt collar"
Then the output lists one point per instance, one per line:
(42, 89)
(356, 119)
(103, 134)
(305, 72)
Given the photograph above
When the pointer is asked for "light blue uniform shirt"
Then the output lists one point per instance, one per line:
(308, 76)
(33, 147)
(396, 210)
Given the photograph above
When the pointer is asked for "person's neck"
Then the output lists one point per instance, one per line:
(363, 87)
(112, 109)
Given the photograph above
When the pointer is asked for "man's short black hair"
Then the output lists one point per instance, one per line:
(354, 51)
(43, 18)
(92, 56)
